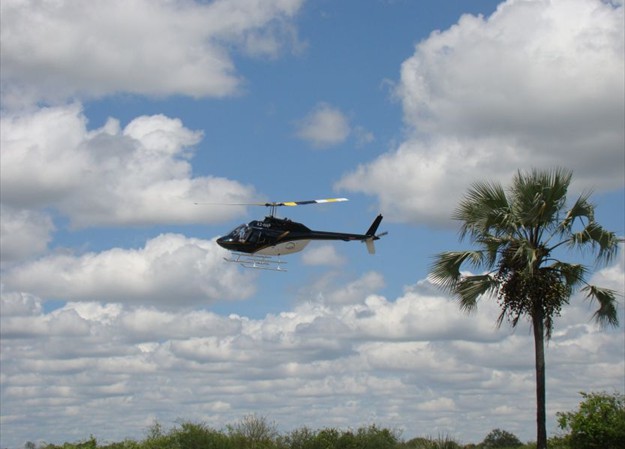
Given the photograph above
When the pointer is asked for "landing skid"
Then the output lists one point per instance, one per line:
(257, 262)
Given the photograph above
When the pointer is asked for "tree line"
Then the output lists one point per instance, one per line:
(597, 423)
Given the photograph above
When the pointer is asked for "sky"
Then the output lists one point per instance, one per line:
(118, 309)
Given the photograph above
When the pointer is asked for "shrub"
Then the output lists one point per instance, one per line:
(598, 423)
(302, 438)
(442, 442)
(199, 436)
(373, 437)
(500, 439)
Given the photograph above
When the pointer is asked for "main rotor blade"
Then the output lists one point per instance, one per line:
(199, 203)
(301, 203)
(277, 203)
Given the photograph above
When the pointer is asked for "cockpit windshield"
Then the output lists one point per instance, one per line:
(240, 234)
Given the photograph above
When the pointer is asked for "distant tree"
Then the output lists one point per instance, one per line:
(442, 442)
(417, 443)
(200, 436)
(373, 437)
(598, 423)
(326, 438)
(300, 438)
(253, 432)
(155, 430)
(500, 439)
(520, 233)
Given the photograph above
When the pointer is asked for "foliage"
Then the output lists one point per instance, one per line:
(371, 437)
(500, 439)
(253, 432)
(91, 443)
(442, 442)
(200, 436)
(598, 423)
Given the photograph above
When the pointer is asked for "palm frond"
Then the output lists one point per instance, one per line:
(445, 271)
(484, 207)
(572, 274)
(597, 237)
(539, 196)
(470, 288)
(493, 246)
(581, 209)
(607, 313)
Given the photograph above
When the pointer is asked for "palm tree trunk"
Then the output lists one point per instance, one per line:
(539, 353)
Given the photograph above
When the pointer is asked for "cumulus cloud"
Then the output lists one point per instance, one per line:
(25, 233)
(140, 174)
(535, 84)
(53, 50)
(171, 271)
(415, 362)
(325, 126)
(322, 255)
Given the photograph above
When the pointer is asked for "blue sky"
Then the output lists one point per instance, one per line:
(117, 306)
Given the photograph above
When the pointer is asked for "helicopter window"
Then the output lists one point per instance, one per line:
(253, 236)
(238, 234)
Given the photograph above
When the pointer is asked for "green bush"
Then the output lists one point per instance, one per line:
(501, 439)
(256, 432)
(442, 442)
(199, 436)
(301, 438)
(598, 423)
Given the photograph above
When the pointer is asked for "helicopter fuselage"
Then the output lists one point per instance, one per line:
(277, 236)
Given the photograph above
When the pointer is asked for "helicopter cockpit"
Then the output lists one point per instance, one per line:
(239, 234)
(243, 234)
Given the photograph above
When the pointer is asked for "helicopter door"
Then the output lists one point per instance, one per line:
(254, 236)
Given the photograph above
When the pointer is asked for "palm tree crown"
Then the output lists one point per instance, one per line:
(518, 233)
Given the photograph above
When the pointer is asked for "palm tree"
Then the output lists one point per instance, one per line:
(520, 233)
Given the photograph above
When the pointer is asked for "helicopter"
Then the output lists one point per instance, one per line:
(254, 244)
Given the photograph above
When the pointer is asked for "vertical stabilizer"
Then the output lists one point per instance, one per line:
(371, 237)
(374, 226)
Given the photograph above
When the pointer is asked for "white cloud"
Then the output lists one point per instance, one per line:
(170, 271)
(24, 233)
(322, 255)
(109, 176)
(535, 84)
(59, 49)
(414, 362)
(422, 182)
(333, 289)
(324, 126)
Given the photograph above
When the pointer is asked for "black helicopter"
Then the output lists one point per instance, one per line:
(254, 244)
